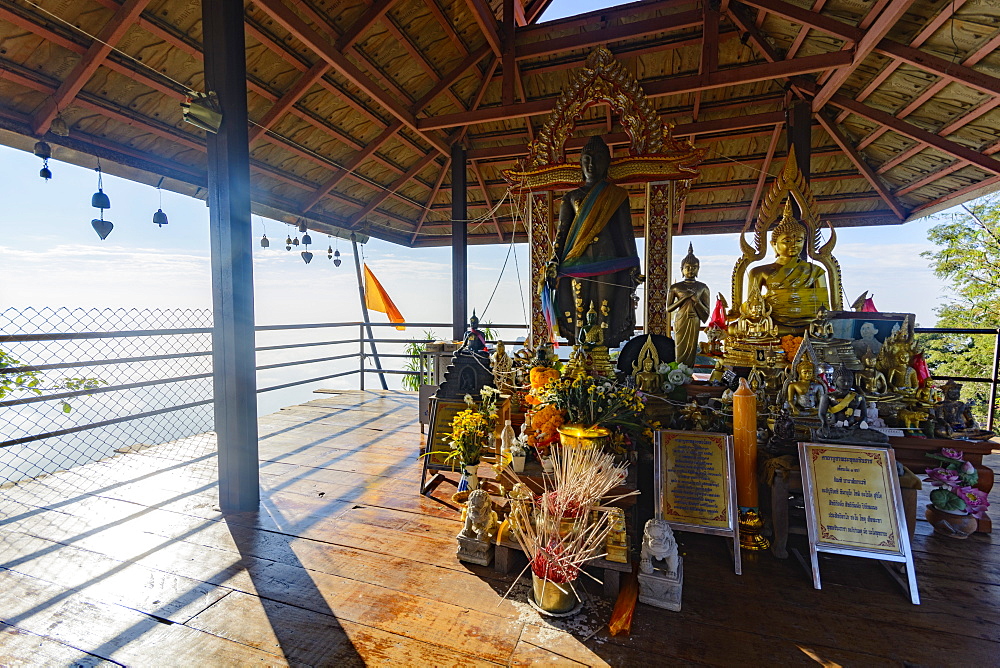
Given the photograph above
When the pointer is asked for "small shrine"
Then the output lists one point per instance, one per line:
(629, 438)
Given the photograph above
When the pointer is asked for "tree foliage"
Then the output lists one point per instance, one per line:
(968, 257)
(27, 381)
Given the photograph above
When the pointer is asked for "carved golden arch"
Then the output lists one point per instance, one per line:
(790, 184)
(654, 154)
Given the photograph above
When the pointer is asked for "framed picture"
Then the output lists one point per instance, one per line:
(868, 331)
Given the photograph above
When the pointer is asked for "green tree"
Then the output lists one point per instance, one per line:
(968, 257)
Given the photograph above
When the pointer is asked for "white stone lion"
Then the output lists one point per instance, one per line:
(480, 518)
(658, 543)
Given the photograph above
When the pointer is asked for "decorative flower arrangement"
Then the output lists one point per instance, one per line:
(954, 480)
(472, 428)
(544, 423)
(675, 374)
(790, 344)
(593, 402)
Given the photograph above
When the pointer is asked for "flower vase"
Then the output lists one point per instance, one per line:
(952, 525)
(470, 478)
(580, 436)
(517, 462)
(551, 597)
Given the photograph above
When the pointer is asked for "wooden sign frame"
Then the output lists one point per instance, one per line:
(442, 412)
(896, 545)
(727, 526)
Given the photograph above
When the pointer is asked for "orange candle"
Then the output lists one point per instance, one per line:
(745, 442)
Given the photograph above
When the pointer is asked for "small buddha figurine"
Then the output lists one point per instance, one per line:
(871, 381)
(902, 377)
(688, 300)
(954, 418)
(695, 416)
(592, 332)
(646, 378)
(474, 341)
(821, 327)
(848, 407)
(806, 397)
(794, 288)
(503, 369)
(755, 322)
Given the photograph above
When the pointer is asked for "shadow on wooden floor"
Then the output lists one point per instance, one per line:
(129, 561)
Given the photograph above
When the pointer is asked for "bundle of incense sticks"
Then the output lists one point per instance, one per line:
(564, 534)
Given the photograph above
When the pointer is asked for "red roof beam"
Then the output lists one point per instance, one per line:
(873, 35)
(947, 11)
(116, 27)
(610, 34)
(848, 148)
(312, 38)
(662, 87)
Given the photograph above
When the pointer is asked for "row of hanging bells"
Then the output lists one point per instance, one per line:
(307, 255)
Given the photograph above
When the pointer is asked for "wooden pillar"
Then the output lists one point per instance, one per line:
(539, 213)
(233, 358)
(459, 244)
(800, 135)
(661, 207)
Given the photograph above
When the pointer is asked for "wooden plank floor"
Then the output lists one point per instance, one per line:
(129, 561)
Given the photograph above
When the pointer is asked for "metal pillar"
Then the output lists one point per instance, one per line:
(459, 244)
(234, 363)
(364, 314)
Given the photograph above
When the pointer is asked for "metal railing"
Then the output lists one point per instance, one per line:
(149, 368)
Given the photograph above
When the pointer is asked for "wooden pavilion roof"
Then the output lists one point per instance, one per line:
(354, 104)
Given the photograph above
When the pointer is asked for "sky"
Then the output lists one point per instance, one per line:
(51, 256)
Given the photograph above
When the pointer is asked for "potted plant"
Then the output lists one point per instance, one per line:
(956, 505)
(471, 431)
(592, 408)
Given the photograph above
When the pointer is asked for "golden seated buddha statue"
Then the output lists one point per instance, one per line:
(803, 279)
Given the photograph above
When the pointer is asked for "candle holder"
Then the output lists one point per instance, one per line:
(751, 531)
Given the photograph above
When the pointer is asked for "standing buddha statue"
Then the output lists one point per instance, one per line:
(688, 300)
(595, 249)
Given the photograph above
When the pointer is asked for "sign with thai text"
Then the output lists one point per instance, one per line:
(696, 481)
(854, 507)
(852, 499)
(695, 484)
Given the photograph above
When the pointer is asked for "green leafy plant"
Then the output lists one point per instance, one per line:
(415, 348)
(31, 382)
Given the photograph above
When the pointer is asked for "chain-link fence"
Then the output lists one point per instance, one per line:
(90, 385)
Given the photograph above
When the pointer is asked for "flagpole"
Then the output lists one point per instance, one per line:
(364, 311)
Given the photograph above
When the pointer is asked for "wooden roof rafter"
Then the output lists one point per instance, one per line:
(337, 148)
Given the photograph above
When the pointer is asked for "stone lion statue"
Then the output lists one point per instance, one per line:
(658, 543)
(480, 518)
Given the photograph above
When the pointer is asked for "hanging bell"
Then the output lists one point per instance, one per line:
(306, 256)
(306, 239)
(44, 172)
(336, 258)
(160, 218)
(99, 200)
(59, 127)
(295, 241)
(264, 243)
(102, 227)
(329, 253)
(302, 227)
(42, 150)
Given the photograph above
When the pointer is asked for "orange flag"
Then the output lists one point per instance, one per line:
(377, 299)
